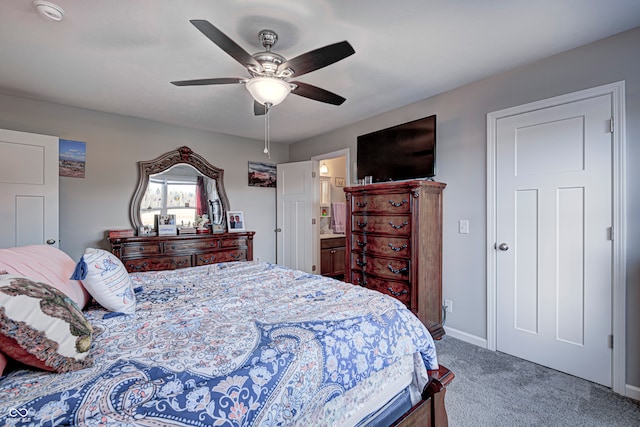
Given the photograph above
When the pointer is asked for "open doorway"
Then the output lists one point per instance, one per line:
(331, 217)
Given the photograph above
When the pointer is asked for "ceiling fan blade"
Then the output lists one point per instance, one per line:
(318, 58)
(202, 82)
(259, 109)
(317, 94)
(224, 42)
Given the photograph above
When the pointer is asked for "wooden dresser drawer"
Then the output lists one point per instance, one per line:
(398, 290)
(382, 245)
(395, 269)
(386, 224)
(157, 263)
(150, 248)
(221, 256)
(389, 203)
(229, 243)
(190, 245)
(146, 253)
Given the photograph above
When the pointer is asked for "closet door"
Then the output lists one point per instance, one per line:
(28, 189)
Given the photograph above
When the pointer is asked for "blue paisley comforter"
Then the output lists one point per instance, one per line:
(233, 344)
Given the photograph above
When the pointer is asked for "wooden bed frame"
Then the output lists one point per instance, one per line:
(430, 411)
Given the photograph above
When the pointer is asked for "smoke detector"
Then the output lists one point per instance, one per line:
(49, 10)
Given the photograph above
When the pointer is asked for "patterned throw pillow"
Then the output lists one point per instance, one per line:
(46, 264)
(107, 280)
(42, 327)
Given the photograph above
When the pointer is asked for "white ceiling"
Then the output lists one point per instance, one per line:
(119, 56)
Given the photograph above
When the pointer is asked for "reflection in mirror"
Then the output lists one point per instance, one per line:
(183, 184)
(181, 191)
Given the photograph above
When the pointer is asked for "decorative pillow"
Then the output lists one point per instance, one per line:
(42, 327)
(107, 280)
(3, 363)
(46, 264)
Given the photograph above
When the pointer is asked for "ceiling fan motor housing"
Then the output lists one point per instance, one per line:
(268, 59)
(268, 38)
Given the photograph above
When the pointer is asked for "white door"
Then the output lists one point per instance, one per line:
(297, 185)
(28, 189)
(554, 260)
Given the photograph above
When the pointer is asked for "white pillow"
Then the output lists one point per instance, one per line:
(107, 280)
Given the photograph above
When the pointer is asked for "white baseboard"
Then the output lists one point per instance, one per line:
(463, 336)
(632, 391)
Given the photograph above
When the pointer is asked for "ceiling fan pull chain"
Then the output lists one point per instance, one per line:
(267, 136)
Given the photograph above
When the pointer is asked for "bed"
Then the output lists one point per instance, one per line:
(238, 343)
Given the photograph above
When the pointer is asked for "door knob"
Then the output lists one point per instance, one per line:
(503, 247)
(50, 242)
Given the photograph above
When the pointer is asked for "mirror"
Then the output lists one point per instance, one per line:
(181, 183)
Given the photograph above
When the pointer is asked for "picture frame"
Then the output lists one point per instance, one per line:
(340, 181)
(262, 174)
(72, 158)
(165, 225)
(235, 221)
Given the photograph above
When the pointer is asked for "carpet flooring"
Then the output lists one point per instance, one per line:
(496, 389)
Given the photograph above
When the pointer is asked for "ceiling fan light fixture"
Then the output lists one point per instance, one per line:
(268, 90)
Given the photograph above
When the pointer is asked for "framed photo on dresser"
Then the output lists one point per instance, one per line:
(235, 221)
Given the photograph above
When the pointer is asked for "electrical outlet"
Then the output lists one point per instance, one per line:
(463, 226)
(448, 304)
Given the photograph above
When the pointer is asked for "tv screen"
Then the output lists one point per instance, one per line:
(406, 151)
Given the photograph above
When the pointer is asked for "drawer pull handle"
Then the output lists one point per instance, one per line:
(361, 224)
(397, 227)
(361, 282)
(396, 249)
(403, 270)
(235, 256)
(141, 249)
(173, 246)
(179, 263)
(398, 204)
(361, 204)
(397, 294)
(361, 263)
(212, 244)
(142, 266)
(361, 244)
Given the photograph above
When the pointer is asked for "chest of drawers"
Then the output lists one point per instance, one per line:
(394, 244)
(148, 253)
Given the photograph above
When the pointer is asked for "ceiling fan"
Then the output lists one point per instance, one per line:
(270, 72)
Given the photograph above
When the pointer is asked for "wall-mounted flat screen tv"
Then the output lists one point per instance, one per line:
(406, 151)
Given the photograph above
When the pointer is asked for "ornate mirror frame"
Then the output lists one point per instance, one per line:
(183, 155)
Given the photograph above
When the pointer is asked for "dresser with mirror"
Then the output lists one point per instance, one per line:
(184, 185)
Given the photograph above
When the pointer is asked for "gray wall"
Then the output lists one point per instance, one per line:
(461, 163)
(100, 201)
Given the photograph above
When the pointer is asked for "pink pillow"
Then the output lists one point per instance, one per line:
(46, 264)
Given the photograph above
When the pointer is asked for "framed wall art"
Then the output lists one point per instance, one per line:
(73, 157)
(262, 174)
